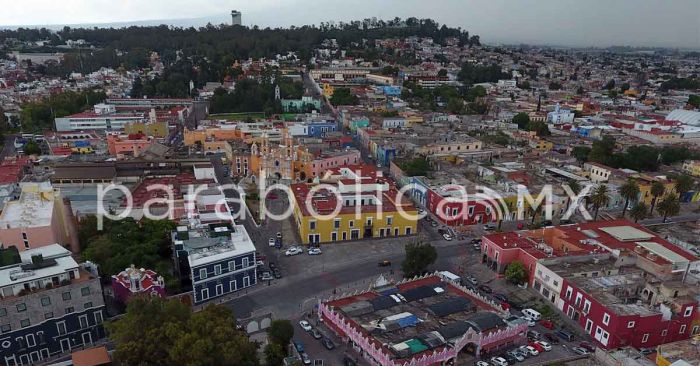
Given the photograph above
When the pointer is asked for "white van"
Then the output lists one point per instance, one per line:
(532, 314)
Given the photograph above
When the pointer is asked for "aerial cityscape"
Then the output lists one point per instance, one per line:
(243, 189)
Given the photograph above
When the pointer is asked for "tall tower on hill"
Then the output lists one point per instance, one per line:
(236, 17)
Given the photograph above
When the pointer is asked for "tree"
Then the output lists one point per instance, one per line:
(657, 189)
(156, 331)
(639, 211)
(600, 198)
(580, 90)
(418, 257)
(610, 85)
(516, 273)
(581, 153)
(575, 188)
(343, 96)
(455, 105)
(554, 85)
(694, 100)
(442, 73)
(281, 332)
(32, 148)
(415, 167)
(539, 127)
(274, 354)
(684, 183)
(668, 206)
(522, 120)
(602, 150)
(473, 74)
(629, 191)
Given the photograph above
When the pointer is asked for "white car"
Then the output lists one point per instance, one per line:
(315, 251)
(447, 236)
(545, 346)
(482, 363)
(271, 242)
(499, 361)
(305, 325)
(532, 351)
(530, 322)
(293, 251)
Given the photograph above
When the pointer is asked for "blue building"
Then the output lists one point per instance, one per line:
(391, 90)
(49, 305)
(321, 128)
(218, 258)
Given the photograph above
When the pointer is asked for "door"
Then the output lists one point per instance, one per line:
(65, 345)
(246, 281)
(87, 338)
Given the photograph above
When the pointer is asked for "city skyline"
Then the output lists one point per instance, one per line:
(563, 23)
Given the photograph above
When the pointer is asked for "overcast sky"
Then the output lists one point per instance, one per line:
(669, 23)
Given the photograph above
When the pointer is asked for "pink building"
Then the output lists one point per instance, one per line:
(132, 144)
(38, 218)
(133, 281)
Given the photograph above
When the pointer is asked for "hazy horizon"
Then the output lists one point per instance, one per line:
(594, 23)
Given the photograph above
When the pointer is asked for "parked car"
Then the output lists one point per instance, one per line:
(547, 324)
(271, 242)
(580, 351)
(476, 241)
(518, 356)
(278, 235)
(328, 343)
(266, 276)
(591, 348)
(347, 361)
(384, 263)
(276, 274)
(305, 359)
(530, 322)
(315, 251)
(500, 297)
(490, 227)
(531, 350)
(447, 236)
(471, 279)
(510, 359)
(293, 251)
(298, 346)
(546, 346)
(316, 334)
(565, 335)
(482, 363)
(536, 346)
(485, 289)
(534, 334)
(434, 224)
(305, 325)
(523, 353)
(551, 338)
(644, 351)
(499, 361)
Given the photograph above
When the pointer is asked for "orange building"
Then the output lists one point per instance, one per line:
(132, 144)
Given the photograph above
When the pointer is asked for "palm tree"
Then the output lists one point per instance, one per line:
(629, 191)
(684, 183)
(669, 206)
(600, 198)
(657, 189)
(575, 188)
(639, 211)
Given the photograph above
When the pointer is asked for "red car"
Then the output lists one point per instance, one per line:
(547, 324)
(587, 346)
(536, 346)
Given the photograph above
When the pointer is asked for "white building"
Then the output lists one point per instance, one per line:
(560, 116)
(103, 117)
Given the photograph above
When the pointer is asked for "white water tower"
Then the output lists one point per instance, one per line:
(236, 17)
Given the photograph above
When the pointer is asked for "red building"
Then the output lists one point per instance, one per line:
(450, 207)
(600, 306)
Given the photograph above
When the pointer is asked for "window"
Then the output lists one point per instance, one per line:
(312, 225)
(21, 307)
(645, 337)
(45, 301)
(202, 273)
(389, 220)
(24, 323)
(245, 262)
(61, 327)
(630, 324)
(205, 293)
(48, 315)
(555, 283)
(682, 330)
(85, 291)
(217, 270)
(231, 266)
(83, 321)
(579, 297)
(470, 211)
(336, 223)
(69, 310)
(351, 223)
(606, 319)
(688, 311)
(66, 296)
(586, 306)
(3, 311)
(87, 305)
(98, 317)
(589, 325)
(408, 231)
(569, 292)
(5, 328)
(696, 330)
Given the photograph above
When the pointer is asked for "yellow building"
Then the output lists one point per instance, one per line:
(374, 212)
(155, 129)
(644, 182)
(541, 145)
(692, 167)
